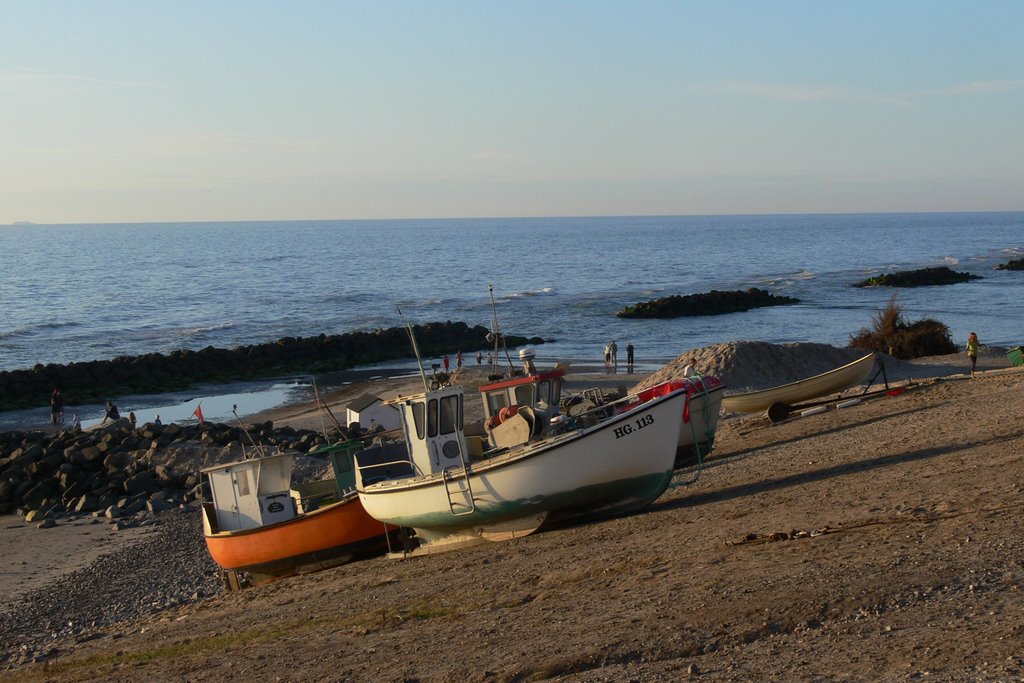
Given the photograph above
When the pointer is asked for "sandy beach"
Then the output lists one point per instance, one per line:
(875, 542)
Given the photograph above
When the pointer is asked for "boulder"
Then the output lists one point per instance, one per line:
(39, 493)
(87, 503)
(143, 482)
(118, 461)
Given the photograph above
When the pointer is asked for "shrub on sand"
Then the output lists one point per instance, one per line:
(891, 334)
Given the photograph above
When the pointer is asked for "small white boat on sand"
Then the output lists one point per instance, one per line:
(826, 383)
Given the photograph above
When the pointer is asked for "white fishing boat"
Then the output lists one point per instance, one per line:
(531, 468)
(829, 382)
(699, 415)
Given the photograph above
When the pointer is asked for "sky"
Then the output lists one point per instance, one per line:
(140, 111)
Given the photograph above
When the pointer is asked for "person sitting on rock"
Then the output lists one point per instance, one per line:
(112, 413)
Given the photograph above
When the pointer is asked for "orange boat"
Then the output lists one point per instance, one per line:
(259, 528)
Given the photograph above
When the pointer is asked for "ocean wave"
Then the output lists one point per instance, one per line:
(198, 331)
(949, 261)
(787, 278)
(544, 291)
(25, 330)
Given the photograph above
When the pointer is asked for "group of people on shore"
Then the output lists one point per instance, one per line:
(459, 359)
(611, 357)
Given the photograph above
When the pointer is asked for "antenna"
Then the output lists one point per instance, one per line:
(415, 349)
(496, 333)
(258, 448)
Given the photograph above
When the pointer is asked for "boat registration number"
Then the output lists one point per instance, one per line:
(634, 426)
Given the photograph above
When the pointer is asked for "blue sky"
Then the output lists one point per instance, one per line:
(168, 111)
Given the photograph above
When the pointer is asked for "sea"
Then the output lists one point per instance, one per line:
(97, 291)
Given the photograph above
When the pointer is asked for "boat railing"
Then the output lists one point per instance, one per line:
(411, 470)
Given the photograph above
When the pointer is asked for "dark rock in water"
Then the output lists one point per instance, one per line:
(1015, 264)
(714, 302)
(157, 373)
(922, 277)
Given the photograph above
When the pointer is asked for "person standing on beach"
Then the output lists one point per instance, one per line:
(458, 359)
(479, 358)
(56, 406)
(629, 357)
(614, 348)
(447, 363)
(608, 358)
(972, 350)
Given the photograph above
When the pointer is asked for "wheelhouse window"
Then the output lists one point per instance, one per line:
(544, 392)
(496, 401)
(432, 417)
(418, 416)
(451, 414)
(524, 395)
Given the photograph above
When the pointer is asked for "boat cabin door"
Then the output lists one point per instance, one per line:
(433, 424)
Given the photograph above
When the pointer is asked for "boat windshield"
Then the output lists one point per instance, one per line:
(496, 401)
(418, 410)
(450, 414)
(525, 394)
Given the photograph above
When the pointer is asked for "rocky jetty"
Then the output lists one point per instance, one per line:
(714, 302)
(1015, 264)
(158, 373)
(921, 277)
(117, 471)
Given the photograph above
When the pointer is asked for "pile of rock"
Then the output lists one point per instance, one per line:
(714, 302)
(922, 277)
(158, 373)
(117, 471)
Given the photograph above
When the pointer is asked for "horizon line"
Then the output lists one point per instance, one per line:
(23, 223)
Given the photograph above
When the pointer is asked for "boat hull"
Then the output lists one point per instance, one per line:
(697, 436)
(829, 382)
(326, 537)
(617, 466)
(700, 417)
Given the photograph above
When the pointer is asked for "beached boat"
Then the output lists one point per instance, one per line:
(826, 383)
(528, 470)
(704, 395)
(258, 527)
(543, 392)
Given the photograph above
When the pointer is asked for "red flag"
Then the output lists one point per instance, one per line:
(199, 413)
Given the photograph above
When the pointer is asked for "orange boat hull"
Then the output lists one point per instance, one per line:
(315, 540)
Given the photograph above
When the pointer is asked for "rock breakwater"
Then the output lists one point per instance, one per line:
(118, 471)
(158, 373)
(714, 302)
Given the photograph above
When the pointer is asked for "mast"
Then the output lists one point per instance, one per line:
(497, 332)
(415, 349)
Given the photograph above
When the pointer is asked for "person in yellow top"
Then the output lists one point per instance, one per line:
(972, 350)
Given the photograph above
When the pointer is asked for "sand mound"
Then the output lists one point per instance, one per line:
(752, 365)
